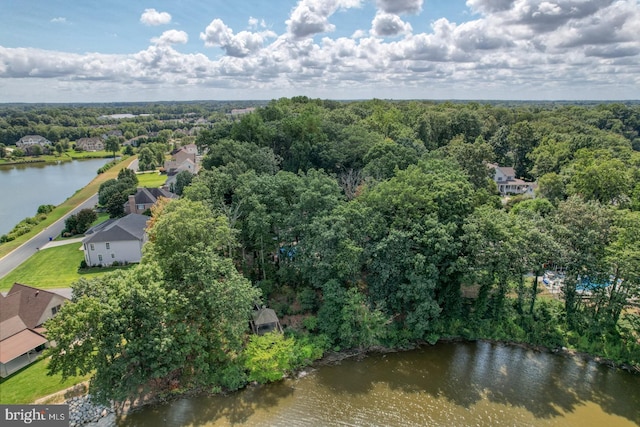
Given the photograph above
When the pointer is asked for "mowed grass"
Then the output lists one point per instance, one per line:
(51, 268)
(151, 179)
(32, 382)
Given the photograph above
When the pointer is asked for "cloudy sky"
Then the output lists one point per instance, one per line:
(145, 50)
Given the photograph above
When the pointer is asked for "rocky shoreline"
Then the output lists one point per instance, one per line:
(84, 412)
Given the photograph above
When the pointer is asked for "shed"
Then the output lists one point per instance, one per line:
(265, 320)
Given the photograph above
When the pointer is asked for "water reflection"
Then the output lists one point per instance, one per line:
(448, 384)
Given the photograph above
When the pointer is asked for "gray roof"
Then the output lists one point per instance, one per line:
(130, 227)
(151, 195)
(264, 316)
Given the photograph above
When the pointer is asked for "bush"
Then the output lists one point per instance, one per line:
(83, 264)
(45, 209)
(269, 357)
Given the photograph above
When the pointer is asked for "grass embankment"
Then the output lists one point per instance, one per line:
(66, 206)
(32, 382)
(67, 156)
(51, 268)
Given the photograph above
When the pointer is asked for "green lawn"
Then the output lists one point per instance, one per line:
(151, 180)
(55, 267)
(32, 382)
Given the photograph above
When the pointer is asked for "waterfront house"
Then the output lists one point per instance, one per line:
(90, 144)
(31, 140)
(23, 311)
(116, 240)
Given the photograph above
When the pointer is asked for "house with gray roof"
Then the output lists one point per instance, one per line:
(145, 198)
(23, 311)
(116, 240)
(31, 140)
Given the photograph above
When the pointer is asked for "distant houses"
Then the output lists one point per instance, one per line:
(23, 311)
(116, 241)
(182, 159)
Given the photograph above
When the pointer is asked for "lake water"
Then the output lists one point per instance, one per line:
(25, 187)
(449, 384)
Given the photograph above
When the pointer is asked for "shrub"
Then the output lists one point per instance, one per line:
(83, 264)
(268, 357)
(45, 209)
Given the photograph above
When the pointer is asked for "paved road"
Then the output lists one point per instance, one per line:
(22, 253)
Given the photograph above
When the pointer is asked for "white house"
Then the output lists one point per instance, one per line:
(505, 179)
(117, 240)
(30, 140)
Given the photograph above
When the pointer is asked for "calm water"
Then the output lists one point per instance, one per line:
(24, 188)
(450, 384)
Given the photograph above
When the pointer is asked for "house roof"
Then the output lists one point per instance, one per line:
(264, 316)
(25, 302)
(34, 138)
(130, 227)
(151, 195)
(19, 344)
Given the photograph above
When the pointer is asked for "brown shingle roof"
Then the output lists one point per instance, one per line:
(19, 344)
(31, 303)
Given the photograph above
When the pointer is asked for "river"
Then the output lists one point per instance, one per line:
(25, 187)
(449, 384)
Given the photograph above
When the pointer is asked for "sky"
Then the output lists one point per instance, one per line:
(145, 50)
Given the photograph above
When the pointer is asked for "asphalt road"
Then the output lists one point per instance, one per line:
(22, 253)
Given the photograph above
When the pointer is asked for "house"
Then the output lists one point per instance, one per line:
(145, 198)
(22, 337)
(264, 320)
(31, 140)
(116, 240)
(505, 179)
(184, 158)
(90, 144)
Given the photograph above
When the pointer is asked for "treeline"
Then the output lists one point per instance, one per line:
(378, 223)
(70, 122)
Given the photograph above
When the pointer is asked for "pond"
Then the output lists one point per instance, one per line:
(25, 187)
(449, 384)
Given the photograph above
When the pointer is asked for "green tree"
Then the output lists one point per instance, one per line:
(112, 144)
(269, 357)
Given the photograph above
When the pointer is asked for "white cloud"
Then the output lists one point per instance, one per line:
(152, 17)
(59, 20)
(171, 37)
(311, 17)
(400, 6)
(238, 45)
(516, 49)
(386, 24)
(254, 23)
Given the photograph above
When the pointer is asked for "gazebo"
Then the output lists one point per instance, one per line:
(264, 320)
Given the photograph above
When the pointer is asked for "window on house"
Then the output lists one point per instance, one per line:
(113, 256)
(140, 207)
(92, 248)
(100, 258)
(108, 246)
(55, 309)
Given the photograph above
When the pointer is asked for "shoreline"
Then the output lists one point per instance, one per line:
(77, 198)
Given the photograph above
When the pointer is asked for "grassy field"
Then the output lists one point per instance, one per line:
(32, 382)
(151, 180)
(55, 267)
(66, 206)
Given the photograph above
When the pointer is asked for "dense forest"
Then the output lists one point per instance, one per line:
(372, 223)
